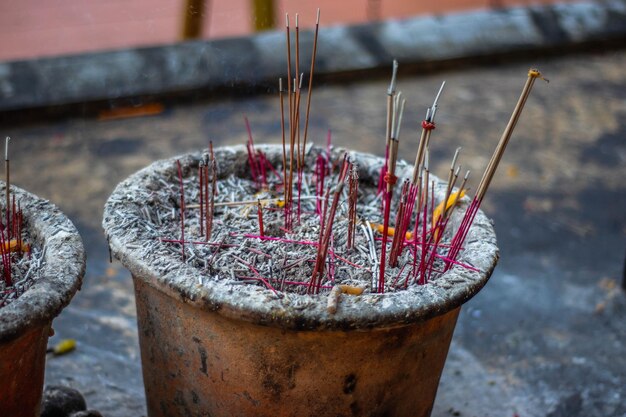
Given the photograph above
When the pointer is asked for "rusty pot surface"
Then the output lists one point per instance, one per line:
(25, 324)
(200, 363)
(222, 349)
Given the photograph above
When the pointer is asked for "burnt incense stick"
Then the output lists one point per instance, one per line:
(182, 208)
(423, 212)
(210, 194)
(208, 211)
(201, 195)
(18, 229)
(13, 218)
(213, 167)
(277, 201)
(260, 215)
(398, 236)
(322, 252)
(353, 182)
(8, 183)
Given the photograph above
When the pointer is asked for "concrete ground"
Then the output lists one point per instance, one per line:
(546, 337)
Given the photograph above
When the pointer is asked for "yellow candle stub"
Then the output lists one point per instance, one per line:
(451, 201)
(391, 231)
(64, 346)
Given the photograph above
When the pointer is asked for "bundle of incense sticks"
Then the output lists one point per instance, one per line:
(12, 245)
(297, 147)
(413, 226)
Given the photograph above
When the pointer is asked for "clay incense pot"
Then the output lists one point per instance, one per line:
(25, 323)
(220, 349)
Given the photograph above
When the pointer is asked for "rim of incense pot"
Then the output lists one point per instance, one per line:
(61, 272)
(259, 305)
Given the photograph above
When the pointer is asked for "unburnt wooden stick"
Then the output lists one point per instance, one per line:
(310, 89)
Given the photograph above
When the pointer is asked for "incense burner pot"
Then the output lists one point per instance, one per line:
(225, 349)
(25, 323)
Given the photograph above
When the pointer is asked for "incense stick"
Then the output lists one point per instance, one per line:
(310, 89)
(8, 183)
(470, 213)
(533, 74)
(182, 208)
(391, 92)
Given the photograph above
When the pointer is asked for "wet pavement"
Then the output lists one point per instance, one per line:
(545, 337)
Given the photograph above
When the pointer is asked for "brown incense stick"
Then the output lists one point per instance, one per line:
(533, 74)
(291, 138)
(289, 89)
(296, 131)
(428, 124)
(322, 250)
(260, 217)
(282, 130)
(310, 89)
(353, 182)
(295, 117)
(297, 87)
(201, 195)
(213, 192)
(182, 209)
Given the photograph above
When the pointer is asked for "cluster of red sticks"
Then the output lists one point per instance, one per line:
(426, 241)
(12, 245)
(11, 241)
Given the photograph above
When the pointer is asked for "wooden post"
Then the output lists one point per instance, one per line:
(192, 19)
(263, 14)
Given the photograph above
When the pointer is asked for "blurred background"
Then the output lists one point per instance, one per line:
(31, 28)
(93, 91)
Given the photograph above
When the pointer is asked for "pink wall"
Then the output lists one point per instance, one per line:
(32, 28)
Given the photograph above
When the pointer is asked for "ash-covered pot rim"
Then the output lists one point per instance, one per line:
(62, 269)
(298, 312)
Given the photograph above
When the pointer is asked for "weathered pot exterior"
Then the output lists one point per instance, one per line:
(22, 376)
(200, 363)
(25, 324)
(220, 349)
